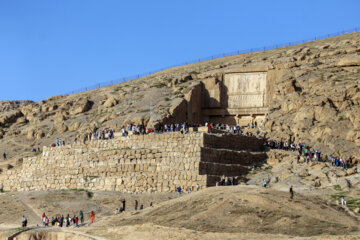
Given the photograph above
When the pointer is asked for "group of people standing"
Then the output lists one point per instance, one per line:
(60, 221)
(141, 129)
(97, 134)
(310, 154)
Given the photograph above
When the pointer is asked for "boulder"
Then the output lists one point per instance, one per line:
(110, 102)
(10, 117)
(349, 61)
(75, 126)
(81, 106)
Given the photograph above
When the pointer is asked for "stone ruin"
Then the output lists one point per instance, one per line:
(233, 96)
(138, 164)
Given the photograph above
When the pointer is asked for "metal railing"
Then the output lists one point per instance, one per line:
(238, 52)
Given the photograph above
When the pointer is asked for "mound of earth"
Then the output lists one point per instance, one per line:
(244, 209)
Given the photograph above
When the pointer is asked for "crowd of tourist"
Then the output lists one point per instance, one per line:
(310, 154)
(165, 128)
(61, 221)
(97, 134)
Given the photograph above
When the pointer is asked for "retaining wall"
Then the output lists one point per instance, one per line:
(150, 163)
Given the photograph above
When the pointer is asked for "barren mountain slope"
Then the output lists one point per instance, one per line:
(315, 100)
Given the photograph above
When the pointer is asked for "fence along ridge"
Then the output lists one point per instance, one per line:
(221, 55)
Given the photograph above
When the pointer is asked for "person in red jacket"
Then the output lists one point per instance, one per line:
(77, 221)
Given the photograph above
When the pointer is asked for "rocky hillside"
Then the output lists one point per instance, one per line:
(11, 105)
(315, 100)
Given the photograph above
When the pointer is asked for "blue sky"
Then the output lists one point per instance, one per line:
(52, 47)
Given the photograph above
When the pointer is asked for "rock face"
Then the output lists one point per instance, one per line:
(317, 100)
(284, 170)
(11, 105)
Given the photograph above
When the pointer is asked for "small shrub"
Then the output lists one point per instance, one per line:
(167, 99)
(89, 194)
(316, 63)
(337, 187)
(341, 118)
(159, 85)
(319, 139)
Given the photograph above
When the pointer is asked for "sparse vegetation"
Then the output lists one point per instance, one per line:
(116, 149)
(88, 193)
(193, 72)
(339, 195)
(353, 203)
(39, 152)
(337, 187)
(159, 85)
(118, 88)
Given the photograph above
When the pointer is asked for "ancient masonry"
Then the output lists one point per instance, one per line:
(138, 164)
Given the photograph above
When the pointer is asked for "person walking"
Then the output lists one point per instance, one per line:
(46, 222)
(92, 216)
(24, 221)
(82, 217)
(76, 222)
(4, 156)
(2, 188)
(122, 209)
(178, 191)
(291, 192)
(136, 205)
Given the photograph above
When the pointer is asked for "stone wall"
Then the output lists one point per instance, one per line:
(150, 163)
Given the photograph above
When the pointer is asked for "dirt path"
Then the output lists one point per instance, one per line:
(82, 234)
(32, 215)
(56, 229)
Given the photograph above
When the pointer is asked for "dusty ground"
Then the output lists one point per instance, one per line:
(234, 212)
